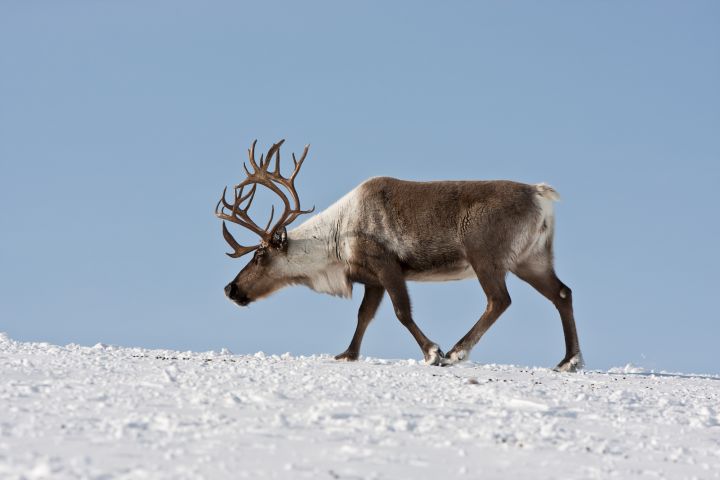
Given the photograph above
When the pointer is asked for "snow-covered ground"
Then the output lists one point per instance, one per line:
(109, 412)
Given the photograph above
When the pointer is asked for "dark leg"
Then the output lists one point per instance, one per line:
(391, 278)
(368, 308)
(492, 282)
(549, 285)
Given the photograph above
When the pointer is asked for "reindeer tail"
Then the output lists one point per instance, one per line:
(546, 191)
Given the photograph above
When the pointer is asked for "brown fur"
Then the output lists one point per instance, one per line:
(389, 231)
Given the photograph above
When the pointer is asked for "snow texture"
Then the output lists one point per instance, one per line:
(109, 412)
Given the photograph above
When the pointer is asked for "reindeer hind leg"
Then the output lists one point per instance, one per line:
(541, 276)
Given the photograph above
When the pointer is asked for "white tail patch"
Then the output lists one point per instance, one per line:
(532, 241)
(546, 191)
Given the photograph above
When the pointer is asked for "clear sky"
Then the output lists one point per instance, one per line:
(121, 122)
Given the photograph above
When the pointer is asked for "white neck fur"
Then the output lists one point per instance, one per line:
(314, 251)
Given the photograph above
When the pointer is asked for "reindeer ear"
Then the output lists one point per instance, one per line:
(279, 239)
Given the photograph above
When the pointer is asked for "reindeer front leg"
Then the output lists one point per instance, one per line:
(368, 308)
(391, 278)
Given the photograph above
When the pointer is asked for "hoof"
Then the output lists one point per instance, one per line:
(455, 356)
(434, 356)
(347, 356)
(572, 364)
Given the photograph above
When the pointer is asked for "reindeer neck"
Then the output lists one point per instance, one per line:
(314, 250)
(316, 238)
(320, 234)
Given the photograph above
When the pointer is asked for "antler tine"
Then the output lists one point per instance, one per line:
(251, 155)
(274, 150)
(298, 163)
(237, 200)
(236, 203)
(296, 213)
(243, 198)
(223, 201)
(239, 249)
(251, 196)
(276, 172)
(239, 215)
(272, 214)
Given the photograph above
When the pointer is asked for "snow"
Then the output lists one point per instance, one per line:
(109, 412)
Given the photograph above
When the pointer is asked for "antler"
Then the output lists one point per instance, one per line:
(261, 175)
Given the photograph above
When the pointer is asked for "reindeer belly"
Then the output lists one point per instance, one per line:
(459, 271)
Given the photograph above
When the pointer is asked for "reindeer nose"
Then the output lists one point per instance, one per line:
(236, 295)
(230, 290)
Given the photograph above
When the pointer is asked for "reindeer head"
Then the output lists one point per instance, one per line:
(264, 274)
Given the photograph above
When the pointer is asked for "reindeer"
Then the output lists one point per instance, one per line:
(388, 231)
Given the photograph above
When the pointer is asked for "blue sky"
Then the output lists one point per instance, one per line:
(121, 122)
